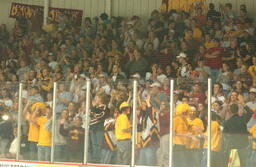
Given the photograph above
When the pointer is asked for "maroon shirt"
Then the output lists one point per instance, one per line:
(164, 120)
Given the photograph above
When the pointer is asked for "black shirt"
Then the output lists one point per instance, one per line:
(98, 116)
(235, 130)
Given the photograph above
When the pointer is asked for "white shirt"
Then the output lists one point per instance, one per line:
(161, 78)
(8, 103)
(219, 98)
(13, 146)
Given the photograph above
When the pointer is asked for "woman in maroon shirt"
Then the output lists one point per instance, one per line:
(164, 119)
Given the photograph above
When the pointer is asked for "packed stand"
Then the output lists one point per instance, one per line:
(189, 47)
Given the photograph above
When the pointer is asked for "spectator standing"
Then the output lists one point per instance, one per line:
(252, 157)
(99, 112)
(148, 123)
(164, 132)
(33, 129)
(180, 129)
(216, 142)
(123, 134)
(108, 152)
(75, 138)
(64, 98)
(195, 127)
(40, 118)
(236, 135)
(5, 135)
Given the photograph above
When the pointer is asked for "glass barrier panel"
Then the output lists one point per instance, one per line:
(69, 127)
(36, 115)
(110, 122)
(9, 96)
(232, 109)
(189, 123)
(152, 146)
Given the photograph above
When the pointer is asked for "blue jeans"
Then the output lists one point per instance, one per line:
(194, 156)
(32, 151)
(106, 156)
(214, 74)
(147, 156)
(252, 159)
(124, 152)
(96, 139)
(179, 156)
(44, 153)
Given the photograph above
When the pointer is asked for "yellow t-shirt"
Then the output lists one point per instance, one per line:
(216, 137)
(44, 135)
(33, 133)
(122, 122)
(180, 127)
(197, 34)
(253, 132)
(209, 45)
(194, 125)
(252, 72)
(113, 53)
(182, 5)
(48, 27)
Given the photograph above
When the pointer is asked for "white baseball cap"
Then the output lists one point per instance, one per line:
(155, 84)
(182, 55)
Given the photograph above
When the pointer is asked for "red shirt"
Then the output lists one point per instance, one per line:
(215, 63)
(201, 19)
(200, 95)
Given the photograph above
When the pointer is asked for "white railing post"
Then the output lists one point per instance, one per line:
(209, 96)
(87, 120)
(171, 123)
(46, 10)
(134, 126)
(19, 133)
(55, 88)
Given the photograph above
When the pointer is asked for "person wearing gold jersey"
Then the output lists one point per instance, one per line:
(195, 127)
(40, 118)
(216, 138)
(252, 158)
(252, 70)
(180, 135)
(123, 133)
(33, 129)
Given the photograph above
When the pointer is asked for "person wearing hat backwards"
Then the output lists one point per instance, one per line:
(180, 135)
(123, 132)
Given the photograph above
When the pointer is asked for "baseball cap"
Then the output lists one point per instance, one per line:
(101, 75)
(124, 105)
(182, 55)
(192, 109)
(252, 90)
(82, 76)
(155, 84)
(63, 46)
(136, 76)
(41, 105)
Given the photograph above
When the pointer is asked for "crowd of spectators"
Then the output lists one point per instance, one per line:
(112, 52)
